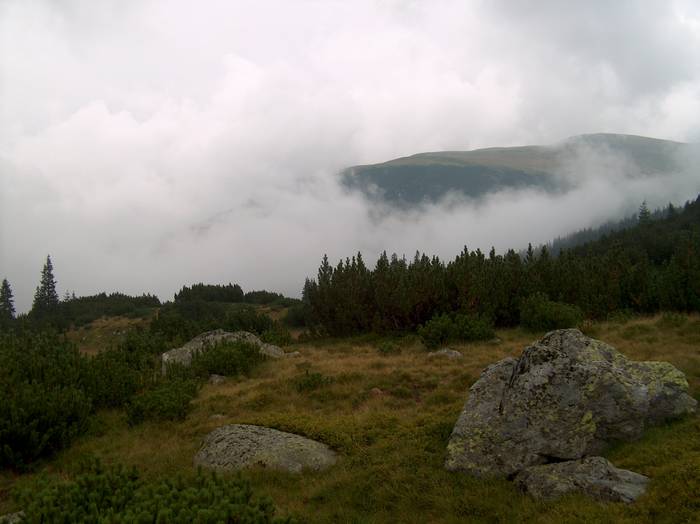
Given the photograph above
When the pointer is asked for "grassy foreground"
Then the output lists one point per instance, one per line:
(389, 415)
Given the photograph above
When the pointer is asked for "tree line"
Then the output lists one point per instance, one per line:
(652, 266)
(48, 310)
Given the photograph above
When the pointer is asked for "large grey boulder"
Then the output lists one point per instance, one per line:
(183, 355)
(591, 476)
(568, 396)
(239, 446)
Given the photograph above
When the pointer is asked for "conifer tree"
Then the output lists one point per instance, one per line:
(644, 213)
(7, 305)
(46, 298)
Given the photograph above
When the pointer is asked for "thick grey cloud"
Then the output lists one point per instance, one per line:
(150, 144)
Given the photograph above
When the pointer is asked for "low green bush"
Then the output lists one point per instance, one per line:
(277, 335)
(43, 404)
(445, 328)
(388, 348)
(228, 358)
(111, 381)
(37, 420)
(117, 495)
(169, 400)
(311, 381)
(538, 313)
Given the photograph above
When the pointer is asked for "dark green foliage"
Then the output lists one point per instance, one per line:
(538, 313)
(49, 390)
(231, 293)
(44, 405)
(210, 293)
(269, 298)
(179, 322)
(79, 311)
(169, 400)
(116, 374)
(7, 305)
(311, 381)
(112, 379)
(448, 328)
(46, 297)
(277, 335)
(116, 495)
(298, 316)
(228, 358)
(650, 267)
(388, 348)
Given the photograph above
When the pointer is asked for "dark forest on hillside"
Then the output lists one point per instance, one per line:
(652, 266)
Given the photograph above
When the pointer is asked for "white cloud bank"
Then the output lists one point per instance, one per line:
(151, 144)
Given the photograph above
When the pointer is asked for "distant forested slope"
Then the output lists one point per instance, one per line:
(428, 177)
(652, 266)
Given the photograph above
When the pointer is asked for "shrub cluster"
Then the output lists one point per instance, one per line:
(116, 494)
(311, 381)
(228, 358)
(538, 313)
(169, 400)
(44, 403)
(181, 321)
(277, 335)
(445, 328)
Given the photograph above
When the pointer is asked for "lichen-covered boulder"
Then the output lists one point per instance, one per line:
(591, 476)
(239, 446)
(448, 353)
(183, 355)
(568, 396)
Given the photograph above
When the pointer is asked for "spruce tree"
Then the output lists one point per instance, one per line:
(46, 297)
(7, 305)
(644, 213)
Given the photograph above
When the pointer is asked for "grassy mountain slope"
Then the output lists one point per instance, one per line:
(392, 439)
(427, 177)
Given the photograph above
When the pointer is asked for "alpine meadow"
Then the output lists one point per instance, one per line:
(368, 262)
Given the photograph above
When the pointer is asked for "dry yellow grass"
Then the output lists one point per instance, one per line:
(103, 333)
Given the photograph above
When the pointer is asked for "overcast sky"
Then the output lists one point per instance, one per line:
(149, 144)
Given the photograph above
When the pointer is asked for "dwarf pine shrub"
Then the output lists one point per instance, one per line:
(445, 328)
(43, 405)
(538, 313)
(169, 400)
(227, 358)
(116, 494)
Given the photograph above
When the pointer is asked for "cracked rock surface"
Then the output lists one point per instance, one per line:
(568, 396)
(239, 446)
(592, 476)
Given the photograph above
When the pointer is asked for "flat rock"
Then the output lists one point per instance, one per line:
(239, 446)
(183, 355)
(591, 476)
(215, 380)
(446, 353)
(568, 396)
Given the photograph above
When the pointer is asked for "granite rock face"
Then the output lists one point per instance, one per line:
(568, 396)
(239, 446)
(183, 355)
(591, 476)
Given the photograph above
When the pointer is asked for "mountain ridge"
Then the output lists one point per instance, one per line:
(430, 176)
